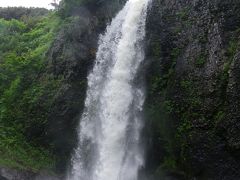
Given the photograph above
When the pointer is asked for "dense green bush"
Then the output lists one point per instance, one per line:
(23, 48)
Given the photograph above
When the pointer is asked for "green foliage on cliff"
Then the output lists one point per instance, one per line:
(25, 96)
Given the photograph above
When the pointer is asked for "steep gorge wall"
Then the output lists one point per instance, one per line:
(193, 103)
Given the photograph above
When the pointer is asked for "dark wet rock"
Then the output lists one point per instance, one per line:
(193, 83)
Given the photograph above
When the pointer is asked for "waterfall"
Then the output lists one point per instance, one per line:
(109, 131)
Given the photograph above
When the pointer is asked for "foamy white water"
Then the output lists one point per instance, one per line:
(109, 131)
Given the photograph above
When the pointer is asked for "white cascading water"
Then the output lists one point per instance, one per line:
(109, 132)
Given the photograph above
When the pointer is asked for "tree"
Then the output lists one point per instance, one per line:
(55, 4)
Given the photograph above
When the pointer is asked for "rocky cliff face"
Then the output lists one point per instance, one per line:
(193, 102)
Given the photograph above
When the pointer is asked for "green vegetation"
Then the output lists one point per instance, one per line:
(183, 16)
(223, 78)
(23, 91)
(200, 60)
(159, 110)
(28, 85)
(21, 13)
(175, 53)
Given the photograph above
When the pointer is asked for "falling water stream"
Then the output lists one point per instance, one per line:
(109, 146)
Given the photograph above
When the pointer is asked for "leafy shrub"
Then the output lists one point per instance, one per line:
(22, 90)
